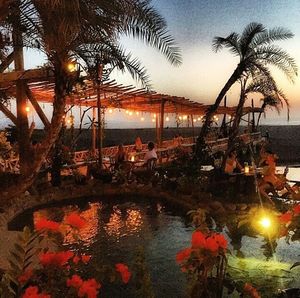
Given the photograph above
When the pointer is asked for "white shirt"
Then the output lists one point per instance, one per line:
(150, 154)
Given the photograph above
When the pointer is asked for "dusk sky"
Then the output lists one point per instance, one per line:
(203, 73)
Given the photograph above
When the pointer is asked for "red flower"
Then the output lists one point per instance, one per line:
(286, 217)
(45, 224)
(250, 290)
(296, 210)
(182, 255)
(76, 259)
(75, 281)
(33, 292)
(220, 239)
(56, 259)
(25, 276)
(85, 258)
(211, 244)
(75, 220)
(89, 289)
(198, 240)
(124, 271)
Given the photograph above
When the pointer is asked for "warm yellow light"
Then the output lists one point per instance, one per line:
(130, 113)
(142, 119)
(194, 120)
(167, 119)
(69, 121)
(154, 115)
(180, 118)
(127, 112)
(110, 111)
(137, 113)
(153, 120)
(229, 117)
(265, 223)
(184, 117)
(217, 119)
(27, 109)
(199, 118)
(132, 158)
(71, 66)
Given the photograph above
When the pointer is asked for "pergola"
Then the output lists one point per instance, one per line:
(40, 89)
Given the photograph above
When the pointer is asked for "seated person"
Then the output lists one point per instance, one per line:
(232, 164)
(120, 157)
(138, 144)
(151, 153)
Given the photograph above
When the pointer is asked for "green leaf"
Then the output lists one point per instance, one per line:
(295, 265)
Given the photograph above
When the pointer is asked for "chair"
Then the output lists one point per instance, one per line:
(151, 163)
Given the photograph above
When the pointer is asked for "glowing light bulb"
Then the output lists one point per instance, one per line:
(180, 118)
(127, 112)
(27, 109)
(153, 120)
(132, 158)
(110, 111)
(199, 118)
(184, 117)
(167, 119)
(229, 117)
(154, 115)
(265, 222)
(137, 113)
(130, 113)
(194, 120)
(142, 118)
(71, 66)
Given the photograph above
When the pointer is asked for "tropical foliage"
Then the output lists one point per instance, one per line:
(85, 31)
(256, 52)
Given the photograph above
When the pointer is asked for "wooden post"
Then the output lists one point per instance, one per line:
(162, 115)
(9, 59)
(37, 107)
(94, 132)
(157, 128)
(22, 120)
(99, 78)
(193, 128)
(253, 116)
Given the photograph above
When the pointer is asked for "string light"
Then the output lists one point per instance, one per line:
(142, 118)
(180, 118)
(27, 109)
(194, 120)
(130, 113)
(184, 117)
(153, 120)
(167, 119)
(71, 66)
(127, 112)
(110, 111)
(154, 115)
(137, 113)
(199, 118)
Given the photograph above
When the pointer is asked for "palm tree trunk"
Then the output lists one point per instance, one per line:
(213, 108)
(25, 180)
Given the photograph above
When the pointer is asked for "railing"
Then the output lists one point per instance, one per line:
(12, 165)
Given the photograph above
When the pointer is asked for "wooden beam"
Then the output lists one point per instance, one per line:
(94, 132)
(162, 115)
(30, 74)
(8, 114)
(9, 59)
(37, 107)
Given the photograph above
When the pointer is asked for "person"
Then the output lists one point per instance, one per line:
(151, 153)
(120, 157)
(232, 164)
(138, 144)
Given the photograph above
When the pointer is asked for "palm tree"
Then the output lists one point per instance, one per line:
(264, 85)
(65, 30)
(256, 52)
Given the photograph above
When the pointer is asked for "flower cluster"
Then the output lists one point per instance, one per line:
(33, 292)
(44, 224)
(251, 291)
(124, 271)
(288, 216)
(213, 245)
(88, 288)
(58, 259)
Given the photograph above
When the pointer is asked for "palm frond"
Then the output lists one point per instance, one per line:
(231, 42)
(272, 35)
